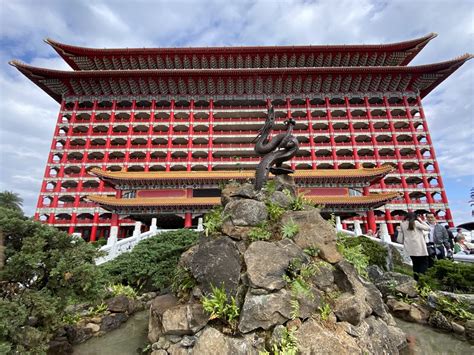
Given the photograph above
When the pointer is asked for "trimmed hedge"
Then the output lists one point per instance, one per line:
(151, 264)
(447, 275)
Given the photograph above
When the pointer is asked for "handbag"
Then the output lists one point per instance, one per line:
(431, 250)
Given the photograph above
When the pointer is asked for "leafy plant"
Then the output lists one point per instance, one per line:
(297, 277)
(119, 289)
(312, 251)
(458, 310)
(71, 318)
(99, 242)
(219, 306)
(324, 311)
(269, 187)
(300, 202)
(183, 282)
(97, 310)
(274, 211)
(260, 232)
(288, 344)
(213, 220)
(356, 257)
(290, 229)
(151, 264)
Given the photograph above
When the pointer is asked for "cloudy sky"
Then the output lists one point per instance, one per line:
(28, 115)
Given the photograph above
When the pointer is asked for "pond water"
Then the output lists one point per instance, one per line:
(133, 335)
(125, 340)
(429, 341)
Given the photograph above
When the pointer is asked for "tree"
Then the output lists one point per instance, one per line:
(44, 270)
(11, 200)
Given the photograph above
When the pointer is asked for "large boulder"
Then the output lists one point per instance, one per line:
(158, 306)
(186, 319)
(246, 212)
(381, 338)
(265, 311)
(280, 199)
(314, 232)
(267, 262)
(112, 321)
(410, 312)
(118, 304)
(349, 308)
(216, 262)
(211, 342)
(313, 338)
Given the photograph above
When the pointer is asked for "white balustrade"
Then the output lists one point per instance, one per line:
(115, 247)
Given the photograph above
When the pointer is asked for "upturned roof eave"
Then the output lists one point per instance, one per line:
(66, 51)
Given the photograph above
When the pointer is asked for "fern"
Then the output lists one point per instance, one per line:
(219, 307)
(290, 229)
(274, 211)
(325, 311)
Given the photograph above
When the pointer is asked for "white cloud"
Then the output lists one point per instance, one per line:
(29, 115)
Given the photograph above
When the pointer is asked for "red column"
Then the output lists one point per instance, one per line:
(370, 214)
(311, 134)
(170, 137)
(190, 136)
(331, 134)
(94, 227)
(210, 138)
(352, 132)
(188, 216)
(444, 197)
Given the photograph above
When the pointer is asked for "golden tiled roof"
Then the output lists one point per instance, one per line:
(211, 201)
(237, 175)
(155, 201)
(351, 200)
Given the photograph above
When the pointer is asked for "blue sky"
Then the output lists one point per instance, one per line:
(29, 115)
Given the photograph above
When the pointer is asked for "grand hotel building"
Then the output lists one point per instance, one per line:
(179, 110)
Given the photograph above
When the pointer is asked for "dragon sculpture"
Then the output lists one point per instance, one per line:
(274, 152)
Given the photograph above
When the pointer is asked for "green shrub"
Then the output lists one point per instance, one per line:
(376, 253)
(219, 306)
(119, 289)
(289, 229)
(213, 220)
(356, 257)
(151, 264)
(288, 344)
(183, 282)
(44, 271)
(324, 311)
(446, 275)
(261, 232)
(274, 211)
(300, 202)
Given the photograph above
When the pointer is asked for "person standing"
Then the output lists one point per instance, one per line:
(413, 240)
(438, 240)
(450, 236)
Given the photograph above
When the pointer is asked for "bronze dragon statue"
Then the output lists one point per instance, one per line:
(274, 152)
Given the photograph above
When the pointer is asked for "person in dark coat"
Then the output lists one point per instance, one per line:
(450, 236)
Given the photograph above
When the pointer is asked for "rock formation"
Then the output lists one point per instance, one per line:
(289, 292)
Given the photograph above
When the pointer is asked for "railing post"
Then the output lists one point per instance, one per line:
(153, 227)
(138, 230)
(200, 226)
(338, 223)
(357, 229)
(112, 241)
(384, 235)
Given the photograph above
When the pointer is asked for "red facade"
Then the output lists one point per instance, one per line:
(199, 109)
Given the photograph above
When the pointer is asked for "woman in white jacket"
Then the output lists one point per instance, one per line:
(413, 240)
